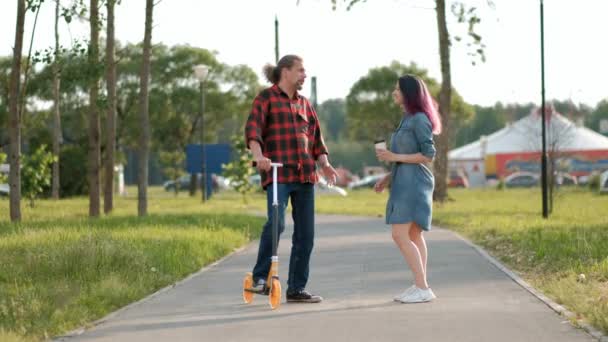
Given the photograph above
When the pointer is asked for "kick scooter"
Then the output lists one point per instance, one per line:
(273, 285)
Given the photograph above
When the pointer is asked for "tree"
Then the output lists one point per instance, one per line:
(239, 170)
(332, 114)
(560, 133)
(371, 110)
(14, 117)
(445, 98)
(466, 15)
(173, 108)
(94, 121)
(144, 138)
(37, 173)
(486, 120)
(56, 115)
(599, 113)
(173, 166)
(108, 198)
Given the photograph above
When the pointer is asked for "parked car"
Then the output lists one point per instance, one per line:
(565, 179)
(183, 182)
(604, 182)
(366, 182)
(522, 179)
(4, 188)
(458, 179)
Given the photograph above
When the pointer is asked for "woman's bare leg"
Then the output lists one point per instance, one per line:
(417, 238)
(410, 252)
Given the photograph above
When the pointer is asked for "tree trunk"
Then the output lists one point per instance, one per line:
(56, 116)
(94, 123)
(445, 94)
(108, 203)
(14, 119)
(144, 137)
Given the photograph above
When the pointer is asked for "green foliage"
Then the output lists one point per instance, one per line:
(240, 169)
(371, 111)
(36, 173)
(332, 114)
(501, 184)
(33, 5)
(486, 120)
(467, 15)
(172, 163)
(61, 271)
(3, 177)
(352, 155)
(599, 113)
(594, 182)
(72, 166)
(175, 117)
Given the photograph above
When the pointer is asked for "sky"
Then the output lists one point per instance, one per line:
(340, 46)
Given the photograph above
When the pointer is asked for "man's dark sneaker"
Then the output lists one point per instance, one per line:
(303, 296)
(259, 287)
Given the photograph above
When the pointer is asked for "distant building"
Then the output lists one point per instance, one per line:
(577, 150)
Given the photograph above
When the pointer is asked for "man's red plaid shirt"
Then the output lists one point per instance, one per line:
(288, 132)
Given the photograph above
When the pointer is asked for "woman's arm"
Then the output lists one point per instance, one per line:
(416, 158)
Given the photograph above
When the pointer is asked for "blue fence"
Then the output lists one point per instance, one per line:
(215, 156)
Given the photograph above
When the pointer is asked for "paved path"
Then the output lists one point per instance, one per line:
(357, 269)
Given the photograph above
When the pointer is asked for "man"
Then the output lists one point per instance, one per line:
(284, 128)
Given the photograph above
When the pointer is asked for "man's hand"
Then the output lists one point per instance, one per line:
(262, 163)
(330, 174)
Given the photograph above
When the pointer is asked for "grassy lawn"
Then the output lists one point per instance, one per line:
(549, 254)
(60, 270)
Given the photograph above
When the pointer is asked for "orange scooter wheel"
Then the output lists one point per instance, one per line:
(274, 299)
(248, 283)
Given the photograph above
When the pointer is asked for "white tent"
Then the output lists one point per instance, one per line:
(524, 137)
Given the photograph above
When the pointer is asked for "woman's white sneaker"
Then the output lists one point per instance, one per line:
(419, 295)
(407, 291)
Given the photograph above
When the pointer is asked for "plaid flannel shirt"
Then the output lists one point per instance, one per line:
(288, 131)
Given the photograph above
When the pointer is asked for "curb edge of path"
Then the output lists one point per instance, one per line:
(561, 310)
(79, 331)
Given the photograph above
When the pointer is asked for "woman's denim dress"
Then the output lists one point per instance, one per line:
(411, 189)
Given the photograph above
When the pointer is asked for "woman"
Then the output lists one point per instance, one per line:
(409, 205)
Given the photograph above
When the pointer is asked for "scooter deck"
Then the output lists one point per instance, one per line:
(265, 291)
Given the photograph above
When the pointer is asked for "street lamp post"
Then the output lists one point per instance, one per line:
(200, 72)
(543, 168)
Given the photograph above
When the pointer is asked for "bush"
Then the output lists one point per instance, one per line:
(501, 184)
(36, 173)
(73, 171)
(594, 182)
(239, 170)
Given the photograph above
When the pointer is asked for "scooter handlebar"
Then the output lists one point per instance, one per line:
(291, 166)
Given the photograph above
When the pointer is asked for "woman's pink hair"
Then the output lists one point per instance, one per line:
(416, 98)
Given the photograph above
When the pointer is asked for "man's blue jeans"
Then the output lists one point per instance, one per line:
(303, 212)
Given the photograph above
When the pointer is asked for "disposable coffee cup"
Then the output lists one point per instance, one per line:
(380, 144)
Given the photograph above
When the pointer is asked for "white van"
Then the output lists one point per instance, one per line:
(604, 181)
(4, 188)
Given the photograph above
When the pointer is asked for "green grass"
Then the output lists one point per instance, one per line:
(548, 253)
(60, 270)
